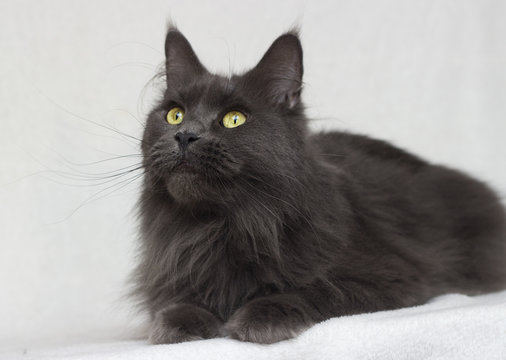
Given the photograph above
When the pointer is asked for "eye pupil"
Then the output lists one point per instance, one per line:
(233, 119)
(175, 115)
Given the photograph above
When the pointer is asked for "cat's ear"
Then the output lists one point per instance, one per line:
(279, 72)
(181, 62)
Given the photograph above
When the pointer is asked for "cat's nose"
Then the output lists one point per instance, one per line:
(184, 138)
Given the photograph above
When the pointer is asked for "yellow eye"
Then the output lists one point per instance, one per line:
(175, 115)
(234, 119)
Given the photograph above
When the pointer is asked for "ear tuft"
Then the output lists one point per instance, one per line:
(280, 71)
(181, 62)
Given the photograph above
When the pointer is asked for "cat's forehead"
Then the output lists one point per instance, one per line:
(210, 91)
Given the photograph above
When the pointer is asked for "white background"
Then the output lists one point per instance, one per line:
(427, 75)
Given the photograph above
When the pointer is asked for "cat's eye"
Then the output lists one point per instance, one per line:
(233, 119)
(175, 115)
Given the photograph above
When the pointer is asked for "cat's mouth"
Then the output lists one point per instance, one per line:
(185, 166)
(204, 173)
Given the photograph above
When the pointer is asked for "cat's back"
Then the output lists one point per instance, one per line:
(442, 207)
(355, 152)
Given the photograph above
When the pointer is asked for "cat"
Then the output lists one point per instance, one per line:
(252, 227)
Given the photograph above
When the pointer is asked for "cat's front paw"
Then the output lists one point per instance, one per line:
(270, 319)
(183, 322)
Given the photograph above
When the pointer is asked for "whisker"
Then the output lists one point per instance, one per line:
(134, 63)
(135, 43)
(104, 160)
(110, 128)
(93, 177)
(94, 197)
(131, 115)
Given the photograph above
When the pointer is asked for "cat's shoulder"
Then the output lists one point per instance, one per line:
(340, 144)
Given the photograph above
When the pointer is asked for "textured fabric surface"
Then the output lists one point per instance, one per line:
(449, 327)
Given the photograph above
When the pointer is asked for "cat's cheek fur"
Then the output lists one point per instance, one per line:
(184, 322)
(270, 319)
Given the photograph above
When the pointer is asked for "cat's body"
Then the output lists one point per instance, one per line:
(260, 231)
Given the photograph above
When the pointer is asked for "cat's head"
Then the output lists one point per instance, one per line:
(213, 137)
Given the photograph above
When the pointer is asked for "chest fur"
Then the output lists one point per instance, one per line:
(210, 265)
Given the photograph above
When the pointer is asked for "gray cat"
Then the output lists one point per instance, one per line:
(255, 228)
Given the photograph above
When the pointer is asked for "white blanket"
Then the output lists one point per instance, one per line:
(449, 327)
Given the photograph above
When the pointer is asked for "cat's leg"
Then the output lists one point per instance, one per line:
(272, 318)
(279, 317)
(183, 322)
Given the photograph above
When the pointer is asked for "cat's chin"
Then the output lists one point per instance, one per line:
(192, 188)
(185, 187)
